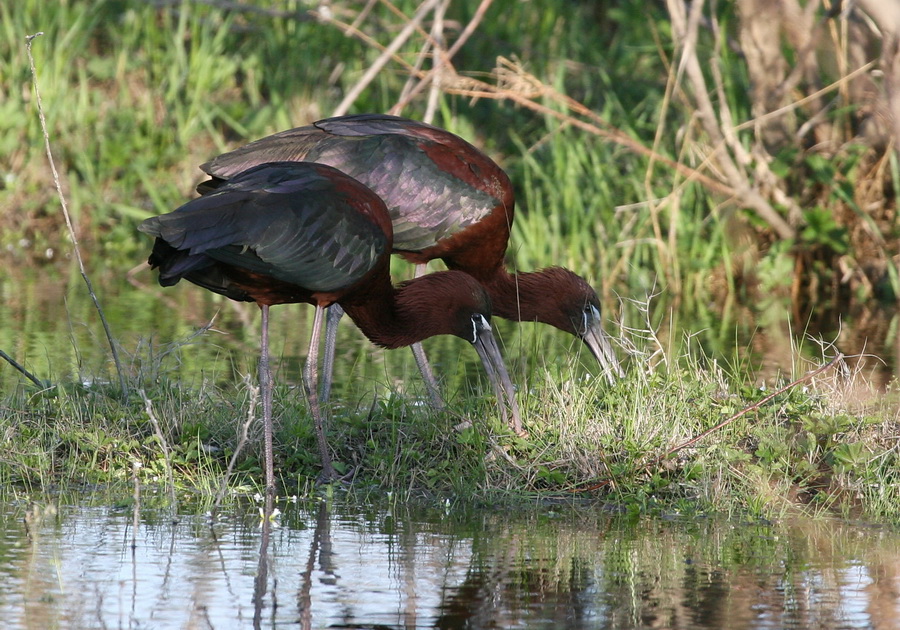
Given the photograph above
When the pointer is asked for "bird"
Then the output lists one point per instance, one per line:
(447, 200)
(300, 232)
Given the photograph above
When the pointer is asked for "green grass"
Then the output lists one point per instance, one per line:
(137, 96)
(805, 452)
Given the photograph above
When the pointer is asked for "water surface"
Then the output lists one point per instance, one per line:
(333, 564)
(48, 324)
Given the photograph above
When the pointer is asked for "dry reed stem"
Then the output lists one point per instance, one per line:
(425, 78)
(62, 200)
(685, 28)
(424, 53)
(437, 35)
(446, 57)
(385, 56)
(782, 111)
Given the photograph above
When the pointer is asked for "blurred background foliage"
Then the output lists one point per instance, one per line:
(734, 157)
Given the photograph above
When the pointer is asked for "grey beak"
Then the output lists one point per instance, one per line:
(596, 339)
(487, 349)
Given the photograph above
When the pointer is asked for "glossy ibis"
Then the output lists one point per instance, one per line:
(447, 200)
(292, 232)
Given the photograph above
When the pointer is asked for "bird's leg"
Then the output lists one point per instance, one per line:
(265, 384)
(431, 384)
(434, 392)
(310, 378)
(335, 312)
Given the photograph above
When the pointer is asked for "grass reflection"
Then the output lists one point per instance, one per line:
(383, 562)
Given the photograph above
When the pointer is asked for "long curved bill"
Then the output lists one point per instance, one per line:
(487, 349)
(596, 339)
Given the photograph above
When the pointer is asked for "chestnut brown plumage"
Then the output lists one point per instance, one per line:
(290, 232)
(446, 200)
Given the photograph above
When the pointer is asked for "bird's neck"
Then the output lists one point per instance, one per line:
(393, 317)
(519, 296)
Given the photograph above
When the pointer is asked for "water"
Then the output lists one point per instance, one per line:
(48, 324)
(330, 564)
(71, 564)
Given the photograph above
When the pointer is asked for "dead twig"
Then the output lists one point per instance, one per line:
(21, 369)
(65, 209)
(749, 408)
(475, 88)
(242, 441)
(164, 444)
(386, 56)
(445, 58)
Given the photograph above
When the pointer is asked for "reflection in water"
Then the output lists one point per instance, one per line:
(261, 582)
(322, 565)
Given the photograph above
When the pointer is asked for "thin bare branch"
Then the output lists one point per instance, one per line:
(783, 111)
(437, 34)
(386, 56)
(65, 209)
(837, 360)
(429, 76)
(21, 369)
(164, 445)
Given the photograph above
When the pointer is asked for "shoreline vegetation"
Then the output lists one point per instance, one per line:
(636, 164)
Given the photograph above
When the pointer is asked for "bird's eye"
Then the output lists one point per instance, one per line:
(589, 315)
(479, 324)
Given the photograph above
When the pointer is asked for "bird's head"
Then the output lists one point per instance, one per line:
(446, 303)
(575, 308)
(453, 302)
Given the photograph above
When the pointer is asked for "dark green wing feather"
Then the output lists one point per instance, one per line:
(304, 224)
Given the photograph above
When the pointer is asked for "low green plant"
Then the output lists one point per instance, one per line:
(138, 94)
